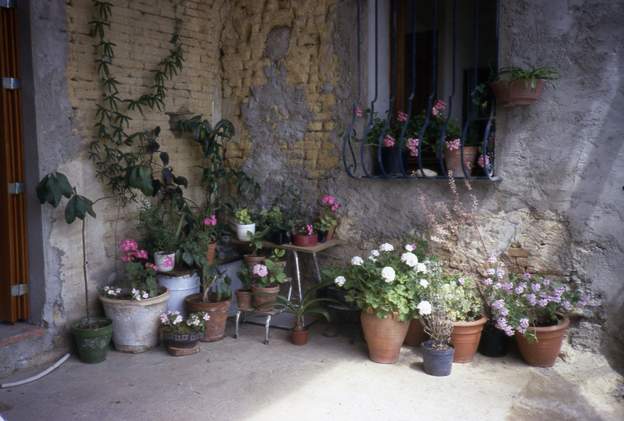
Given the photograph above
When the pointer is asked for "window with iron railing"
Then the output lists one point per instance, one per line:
(428, 110)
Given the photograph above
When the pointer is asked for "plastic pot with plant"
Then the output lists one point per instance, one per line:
(92, 335)
(244, 294)
(304, 235)
(214, 300)
(182, 333)
(310, 305)
(245, 226)
(437, 351)
(266, 281)
(521, 86)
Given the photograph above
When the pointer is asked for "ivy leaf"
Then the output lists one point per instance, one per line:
(140, 177)
(53, 187)
(164, 157)
(78, 207)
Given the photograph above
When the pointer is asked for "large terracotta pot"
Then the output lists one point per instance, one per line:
(264, 299)
(465, 339)
(218, 312)
(416, 334)
(211, 253)
(243, 299)
(544, 351)
(452, 160)
(516, 92)
(384, 337)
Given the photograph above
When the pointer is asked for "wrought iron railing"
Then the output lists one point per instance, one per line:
(363, 158)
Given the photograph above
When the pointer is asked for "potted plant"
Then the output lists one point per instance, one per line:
(245, 227)
(494, 341)
(244, 294)
(209, 235)
(437, 351)
(160, 226)
(277, 225)
(180, 333)
(92, 335)
(535, 309)
(309, 305)
(256, 245)
(328, 220)
(214, 301)
(266, 279)
(464, 306)
(386, 288)
(304, 235)
(519, 86)
(136, 303)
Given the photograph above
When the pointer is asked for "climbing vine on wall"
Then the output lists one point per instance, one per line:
(123, 160)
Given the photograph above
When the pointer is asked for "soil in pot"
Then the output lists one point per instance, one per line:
(305, 240)
(251, 260)
(384, 337)
(437, 362)
(243, 299)
(452, 160)
(494, 342)
(264, 298)
(416, 334)
(299, 336)
(92, 338)
(465, 339)
(211, 253)
(218, 312)
(544, 351)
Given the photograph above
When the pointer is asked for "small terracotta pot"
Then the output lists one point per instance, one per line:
(305, 240)
(299, 336)
(452, 160)
(211, 253)
(384, 337)
(218, 312)
(465, 339)
(516, 92)
(251, 261)
(416, 334)
(243, 299)
(331, 234)
(264, 299)
(544, 351)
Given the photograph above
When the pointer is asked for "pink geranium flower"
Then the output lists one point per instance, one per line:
(358, 112)
(389, 141)
(412, 146)
(309, 229)
(260, 270)
(211, 221)
(328, 200)
(453, 145)
(483, 161)
(128, 245)
(141, 254)
(402, 117)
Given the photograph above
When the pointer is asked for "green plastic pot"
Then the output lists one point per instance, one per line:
(92, 338)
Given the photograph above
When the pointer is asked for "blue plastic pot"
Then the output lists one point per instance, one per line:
(437, 362)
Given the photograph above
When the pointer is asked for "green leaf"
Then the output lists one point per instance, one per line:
(164, 157)
(78, 207)
(52, 188)
(140, 177)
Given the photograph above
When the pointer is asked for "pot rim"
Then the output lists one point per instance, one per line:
(75, 328)
(563, 323)
(480, 321)
(269, 289)
(196, 299)
(243, 291)
(132, 303)
(394, 316)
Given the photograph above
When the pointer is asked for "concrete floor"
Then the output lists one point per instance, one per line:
(329, 379)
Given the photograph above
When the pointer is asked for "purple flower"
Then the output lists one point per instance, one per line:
(498, 304)
(531, 299)
(491, 271)
(487, 282)
(500, 273)
(536, 287)
(507, 286)
(524, 323)
(543, 302)
(519, 289)
(566, 305)
(526, 275)
(460, 281)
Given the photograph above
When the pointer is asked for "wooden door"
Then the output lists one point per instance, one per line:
(13, 247)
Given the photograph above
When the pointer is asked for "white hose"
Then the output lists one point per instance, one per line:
(36, 376)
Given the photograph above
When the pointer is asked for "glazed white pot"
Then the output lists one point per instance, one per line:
(244, 232)
(180, 287)
(165, 262)
(135, 323)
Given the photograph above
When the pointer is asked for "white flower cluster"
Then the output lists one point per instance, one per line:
(197, 319)
(374, 254)
(139, 294)
(113, 292)
(340, 280)
(410, 259)
(357, 261)
(424, 308)
(388, 274)
(171, 318)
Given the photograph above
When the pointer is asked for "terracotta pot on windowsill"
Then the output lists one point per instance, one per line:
(452, 160)
(510, 93)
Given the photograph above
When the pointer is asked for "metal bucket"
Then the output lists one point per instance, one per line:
(180, 286)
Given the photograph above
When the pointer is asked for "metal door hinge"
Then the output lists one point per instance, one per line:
(10, 83)
(16, 188)
(19, 290)
(7, 4)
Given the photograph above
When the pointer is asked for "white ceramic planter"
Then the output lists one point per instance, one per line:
(135, 323)
(180, 287)
(165, 262)
(244, 232)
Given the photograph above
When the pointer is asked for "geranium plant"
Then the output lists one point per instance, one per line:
(304, 229)
(387, 282)
(269, 274)
(519, 302)
(140, 277)
(328, 218)
(173, 323)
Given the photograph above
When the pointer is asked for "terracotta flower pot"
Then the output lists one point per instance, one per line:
(384, 337)
(264, 299)
(516, 92)
(465, 339)
(211, 253)
(251, 260)
(452, 160)
(218, 312)
(299, 336)
(305, 240)
(243, 299)
(416, 334)
(544, 351)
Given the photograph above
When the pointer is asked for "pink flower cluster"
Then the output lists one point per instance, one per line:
(412, 146)
(389, 141)
(131, 251)
(211, 221)
(310, 229)
(453, 145)
(402, 117)
(260, 270)
(358, 112)
(331, 202)
(438, 108)
(483, 160)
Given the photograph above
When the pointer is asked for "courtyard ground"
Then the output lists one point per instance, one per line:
(329, 379)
